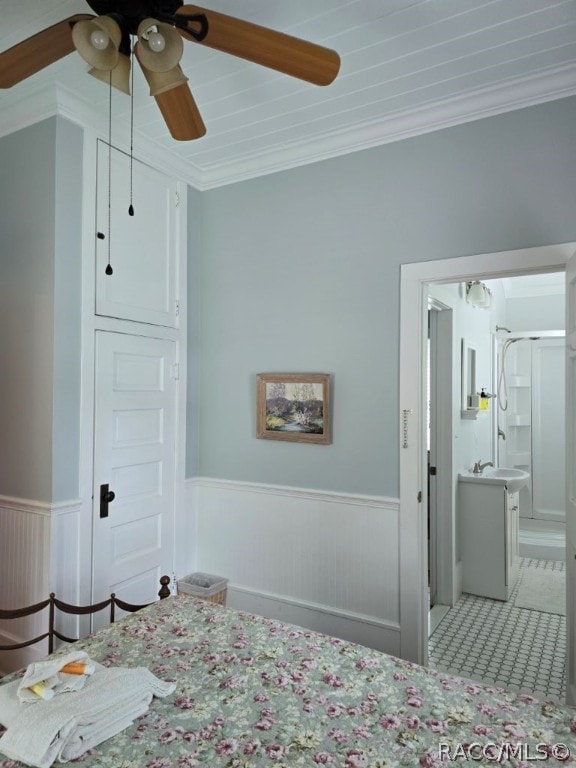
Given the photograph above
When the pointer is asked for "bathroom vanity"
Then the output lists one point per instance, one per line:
(489, 531)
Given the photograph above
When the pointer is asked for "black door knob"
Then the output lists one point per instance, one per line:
(106, 496)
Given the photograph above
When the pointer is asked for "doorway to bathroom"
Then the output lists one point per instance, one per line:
(413, 469)
(518, 640)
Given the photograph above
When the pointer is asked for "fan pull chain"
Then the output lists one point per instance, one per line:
(109, 269)
(131, 207)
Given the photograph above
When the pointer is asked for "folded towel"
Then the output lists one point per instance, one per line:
(67, 726)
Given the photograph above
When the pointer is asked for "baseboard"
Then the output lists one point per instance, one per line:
(355, 627)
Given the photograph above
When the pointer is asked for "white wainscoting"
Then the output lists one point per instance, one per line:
(327, 561)
(38, 554)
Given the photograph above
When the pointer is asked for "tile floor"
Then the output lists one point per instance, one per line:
(496, 642)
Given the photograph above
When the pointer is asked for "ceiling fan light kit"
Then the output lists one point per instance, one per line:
(98, 42)
(154, 56)
(104, 41)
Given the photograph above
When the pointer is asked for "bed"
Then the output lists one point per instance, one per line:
(254, 692)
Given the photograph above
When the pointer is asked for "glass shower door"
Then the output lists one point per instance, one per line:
(534, 422)
(548, 430)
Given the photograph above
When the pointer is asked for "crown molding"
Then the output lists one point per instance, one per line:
(34, 104)
(27, 109)
(558, 83)
(79, 111)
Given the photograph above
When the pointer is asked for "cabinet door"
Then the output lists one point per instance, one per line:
(141, 248)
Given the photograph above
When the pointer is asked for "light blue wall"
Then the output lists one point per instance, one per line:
(194, 367)
(299, 271)
(67, 314)
(40, 300)
(27, 199)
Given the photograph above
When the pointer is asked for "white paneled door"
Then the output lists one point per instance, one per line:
(571, 479)
(134, 465)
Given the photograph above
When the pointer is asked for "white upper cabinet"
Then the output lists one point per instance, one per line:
(141, 248)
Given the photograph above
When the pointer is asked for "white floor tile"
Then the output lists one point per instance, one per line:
(495, 642)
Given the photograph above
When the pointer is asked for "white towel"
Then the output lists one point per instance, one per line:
(67, 726)
(49, 671)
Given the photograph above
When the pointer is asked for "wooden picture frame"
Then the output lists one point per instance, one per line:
(294, 407)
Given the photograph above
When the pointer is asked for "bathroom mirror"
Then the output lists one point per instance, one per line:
(469, 389)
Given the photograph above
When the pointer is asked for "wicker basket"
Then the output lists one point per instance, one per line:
(205, 586)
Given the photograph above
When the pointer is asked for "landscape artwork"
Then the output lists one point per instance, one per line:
(294, 406)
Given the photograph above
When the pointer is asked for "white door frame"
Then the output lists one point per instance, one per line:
(433, 367)
(570, 482)
(413, 503)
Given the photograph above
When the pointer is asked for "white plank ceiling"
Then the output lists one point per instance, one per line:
(408, 66)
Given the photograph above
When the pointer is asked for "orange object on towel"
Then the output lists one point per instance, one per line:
(77, 668)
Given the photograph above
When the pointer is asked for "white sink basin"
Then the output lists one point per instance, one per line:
(513, 479)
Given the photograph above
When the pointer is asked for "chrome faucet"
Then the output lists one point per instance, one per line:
(478, 467)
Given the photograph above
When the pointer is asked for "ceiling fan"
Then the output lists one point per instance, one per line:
(105, 42)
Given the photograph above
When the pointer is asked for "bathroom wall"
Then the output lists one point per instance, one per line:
(536, 313)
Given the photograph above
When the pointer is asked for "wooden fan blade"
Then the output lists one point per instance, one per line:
(180, 113)
(35, 53)
(264, 46)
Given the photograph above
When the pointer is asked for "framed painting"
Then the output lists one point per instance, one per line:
(294, 406)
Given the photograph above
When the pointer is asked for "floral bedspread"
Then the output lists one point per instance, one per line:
(254, 692)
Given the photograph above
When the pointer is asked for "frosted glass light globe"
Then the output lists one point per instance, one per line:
(156, 42)
(100, 39)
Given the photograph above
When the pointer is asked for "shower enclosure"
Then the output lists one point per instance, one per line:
(530, 419)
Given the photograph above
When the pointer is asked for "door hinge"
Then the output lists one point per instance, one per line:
(177, 198)
(176, 371)
(419, 497)
(177, 308)
(433, 470)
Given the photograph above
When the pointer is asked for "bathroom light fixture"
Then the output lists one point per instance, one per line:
(478, 294)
